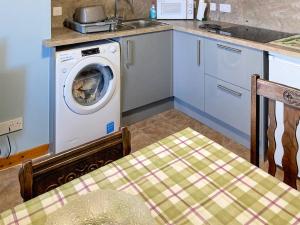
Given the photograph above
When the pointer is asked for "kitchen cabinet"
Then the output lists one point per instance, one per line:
(228, 71)
(232, 63)
(188, 67)
(146, 64)
(212, 80)
(228, 103)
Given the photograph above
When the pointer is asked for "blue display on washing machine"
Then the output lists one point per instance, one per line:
(110, 127)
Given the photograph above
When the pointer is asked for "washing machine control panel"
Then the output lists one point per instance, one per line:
(66, 57)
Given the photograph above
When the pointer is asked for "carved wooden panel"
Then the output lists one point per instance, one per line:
(48, 173)
(46, 182)
(292, 97)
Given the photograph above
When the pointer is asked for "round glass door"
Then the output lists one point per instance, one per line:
(89, 86)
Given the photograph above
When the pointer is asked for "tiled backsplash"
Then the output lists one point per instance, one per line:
(282, 15)
(141, 8)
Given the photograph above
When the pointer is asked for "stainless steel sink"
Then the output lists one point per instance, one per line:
(136, 24)
(121, 27)
(142, 23)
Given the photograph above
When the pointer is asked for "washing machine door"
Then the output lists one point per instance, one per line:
(90, 85)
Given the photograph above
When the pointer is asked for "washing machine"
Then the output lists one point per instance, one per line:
(87, 94)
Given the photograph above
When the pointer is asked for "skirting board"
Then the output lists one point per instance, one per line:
(147, 111)
(213, 123)
(21, 156)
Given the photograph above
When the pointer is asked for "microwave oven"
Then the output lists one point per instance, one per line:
(175, 9)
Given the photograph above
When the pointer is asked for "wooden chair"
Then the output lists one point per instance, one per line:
(291, 99)
(44, 175)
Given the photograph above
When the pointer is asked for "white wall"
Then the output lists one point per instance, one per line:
(24, 70)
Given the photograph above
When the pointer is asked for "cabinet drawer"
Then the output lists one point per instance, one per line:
(232, 63)
(228, 103)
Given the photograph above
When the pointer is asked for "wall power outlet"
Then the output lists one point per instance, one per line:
(57, 11)
(226, 8)
(11, 126)
(213, 6)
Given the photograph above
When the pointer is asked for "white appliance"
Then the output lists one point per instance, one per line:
(175, 9)
(284, 70)
(201, 10)
(87, 94)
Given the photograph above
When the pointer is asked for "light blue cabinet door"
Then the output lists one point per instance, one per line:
(228, 103)
(146, 69)
(188, 69)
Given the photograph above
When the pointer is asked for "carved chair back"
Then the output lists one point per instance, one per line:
(290, 97)
(38, 177)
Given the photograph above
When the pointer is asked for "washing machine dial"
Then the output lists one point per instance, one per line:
(113, 49)
(64, 70)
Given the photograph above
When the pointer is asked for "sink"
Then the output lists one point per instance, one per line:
(142, 23)
(122, 27)
(136, 24)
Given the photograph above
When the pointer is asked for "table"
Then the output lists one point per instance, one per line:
(185, 178)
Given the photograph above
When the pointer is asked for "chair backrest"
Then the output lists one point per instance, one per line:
(38, 177)
(290, 97)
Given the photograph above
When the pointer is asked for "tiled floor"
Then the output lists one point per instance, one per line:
(143, 133)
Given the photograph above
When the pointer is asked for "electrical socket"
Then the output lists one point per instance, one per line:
(16, 124)
(11, 126)
(212, 6)
(57, 11)
(226, 8)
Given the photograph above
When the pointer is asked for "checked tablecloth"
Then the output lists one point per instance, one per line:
(185, 178)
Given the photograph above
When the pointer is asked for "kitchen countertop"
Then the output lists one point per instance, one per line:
(65, 36)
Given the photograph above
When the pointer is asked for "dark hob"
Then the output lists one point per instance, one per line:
(210, 27)
(246, 32)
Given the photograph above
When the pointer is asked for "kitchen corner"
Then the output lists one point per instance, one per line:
(215, 40)
(197, 97)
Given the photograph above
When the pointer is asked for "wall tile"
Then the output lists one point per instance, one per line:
(282, 15)
(141, 8)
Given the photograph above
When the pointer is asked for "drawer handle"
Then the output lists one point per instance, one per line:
(230, 91)
(129, 54)
(199, 52)
(229, 48)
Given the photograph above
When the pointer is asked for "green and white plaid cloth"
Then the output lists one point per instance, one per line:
(185, 178)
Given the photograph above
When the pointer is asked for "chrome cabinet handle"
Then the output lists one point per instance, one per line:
(129, 55)
(229, 48)
(199, 52)
(230, 91)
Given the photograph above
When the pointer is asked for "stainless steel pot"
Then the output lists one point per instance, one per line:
(89, 14)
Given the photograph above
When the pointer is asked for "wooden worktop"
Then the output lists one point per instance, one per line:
(65, 36)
